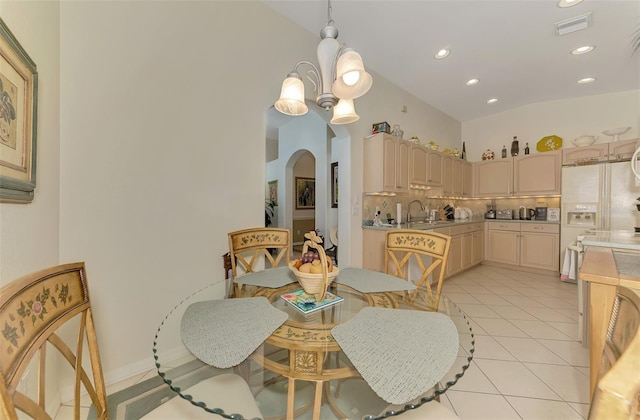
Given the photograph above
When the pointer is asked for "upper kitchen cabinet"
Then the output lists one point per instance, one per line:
(419, 162)
(434, 168)
(447, 175)
(386, 164)
(493, 178)
(462, 178)
(602, 152)
(622, 150)
(537, 174)
(578, 155)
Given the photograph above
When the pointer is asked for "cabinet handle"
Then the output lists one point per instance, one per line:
(538, 227)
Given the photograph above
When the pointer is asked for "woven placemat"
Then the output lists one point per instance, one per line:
(367, 281)
(271, 277)
(627, 264)
(400, 353)
(223, 333)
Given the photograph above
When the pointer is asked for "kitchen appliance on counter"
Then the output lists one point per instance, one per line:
(526, 214)
(491, 210)
(541, 213)
(504, 214)
(596, 197)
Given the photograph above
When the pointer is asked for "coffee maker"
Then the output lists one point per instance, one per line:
(491, 210)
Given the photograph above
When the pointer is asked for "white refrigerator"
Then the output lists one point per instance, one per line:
(597, 197)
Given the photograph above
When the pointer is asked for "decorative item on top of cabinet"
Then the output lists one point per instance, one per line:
(515, 148)
(526, 148)
(464, 152)
(488, 155)
(504, 152)
(549, 143)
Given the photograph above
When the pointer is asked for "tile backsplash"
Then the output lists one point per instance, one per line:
(388, 204)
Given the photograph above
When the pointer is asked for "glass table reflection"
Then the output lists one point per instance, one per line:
(300, 371)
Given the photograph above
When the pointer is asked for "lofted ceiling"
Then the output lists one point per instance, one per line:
(510, 45)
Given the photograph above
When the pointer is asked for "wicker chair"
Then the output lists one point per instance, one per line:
(618, 388)
(248, 246)
(32, 311)
(427, 248)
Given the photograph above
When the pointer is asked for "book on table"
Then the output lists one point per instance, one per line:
(307, 303)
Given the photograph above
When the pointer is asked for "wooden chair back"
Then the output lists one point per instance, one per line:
(248, 246)
(618, 388)
(430, 252)
(32, 311)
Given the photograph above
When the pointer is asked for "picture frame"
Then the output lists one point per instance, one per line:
(18, 120)
(305, 193)
(273, 191)
(334, 185)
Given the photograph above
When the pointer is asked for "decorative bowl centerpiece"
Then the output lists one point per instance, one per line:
(321, 272)
(615, 133)
(584, 141)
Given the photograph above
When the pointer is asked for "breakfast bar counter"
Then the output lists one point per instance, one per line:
(605, 269)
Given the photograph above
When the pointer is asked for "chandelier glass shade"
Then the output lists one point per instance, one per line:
(339, 78)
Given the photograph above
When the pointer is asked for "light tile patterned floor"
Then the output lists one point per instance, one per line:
(528, 363)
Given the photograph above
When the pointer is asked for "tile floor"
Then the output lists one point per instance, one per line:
(528, 362)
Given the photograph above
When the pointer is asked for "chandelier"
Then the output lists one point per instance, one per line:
(340, 79)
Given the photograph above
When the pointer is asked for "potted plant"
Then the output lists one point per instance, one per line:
(269, 212)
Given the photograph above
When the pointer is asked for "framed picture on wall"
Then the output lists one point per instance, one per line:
(305, 193)
(334, 185)
(273, 192)
(18, 105)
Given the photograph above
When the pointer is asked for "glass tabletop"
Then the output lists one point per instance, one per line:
(301, 353)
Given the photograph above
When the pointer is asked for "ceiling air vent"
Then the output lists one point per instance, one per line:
(574, 24)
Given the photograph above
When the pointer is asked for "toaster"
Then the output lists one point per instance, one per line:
(504, 214)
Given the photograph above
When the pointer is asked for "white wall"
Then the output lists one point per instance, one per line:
(29, 238)
(567, 118)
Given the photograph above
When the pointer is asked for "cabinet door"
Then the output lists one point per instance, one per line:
(434, 169)
(503, 246)
(467, 179)
(373, 249)
(477, 249)
(418, 165)
(578, 155)
(447, 175)
(622, 150)
(454, 262)
(467, 250)
(493, 178)
(458, 177)
(540, 250)
(389, 163)
(402, 165)
(537, 174)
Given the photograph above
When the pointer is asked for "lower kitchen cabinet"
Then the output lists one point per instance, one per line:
(531, 245)
(373, 249)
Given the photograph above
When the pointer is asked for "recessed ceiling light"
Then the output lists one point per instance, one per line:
(583, 50)
(442, 54)
(568, 3)
(492, 101)
(472, 82)
(587, 80)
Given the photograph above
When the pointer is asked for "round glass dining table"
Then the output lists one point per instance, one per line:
(300, 370)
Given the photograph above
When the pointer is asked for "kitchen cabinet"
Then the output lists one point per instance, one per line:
(434, 169)
(447, 175)
(418, 164)
(602, 152)
(494, 178)
(503, 243)
(467, 179)
(537, 174)
(457, 178)
(540, 246)
(531, 245)
(622, 150)
(373, 249)
(386, 164)
(466, 247)
(581, 155)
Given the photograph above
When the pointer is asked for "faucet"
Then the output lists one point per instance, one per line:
(422, 207)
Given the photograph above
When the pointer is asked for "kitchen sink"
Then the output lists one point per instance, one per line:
(426, 222)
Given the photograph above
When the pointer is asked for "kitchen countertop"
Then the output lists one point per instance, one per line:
(620, 239)
(606, 266)
(448, 223)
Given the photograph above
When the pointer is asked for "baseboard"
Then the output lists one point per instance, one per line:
(519, 268)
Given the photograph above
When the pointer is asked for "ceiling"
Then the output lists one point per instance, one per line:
(510, 45)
